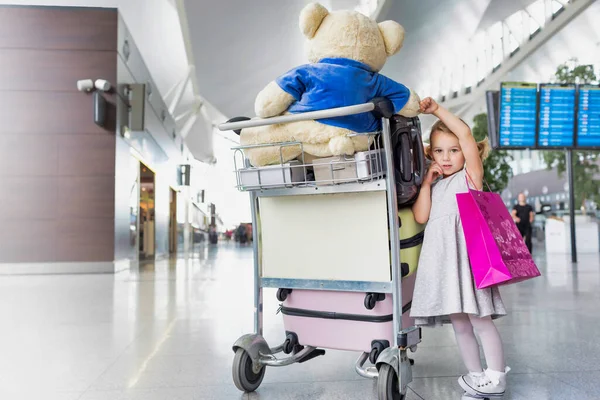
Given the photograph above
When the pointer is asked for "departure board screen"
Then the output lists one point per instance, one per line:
(518, 105)
(557, 115)
(588, 117)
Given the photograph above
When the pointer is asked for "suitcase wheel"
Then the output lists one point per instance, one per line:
(282, 294)
(371, 300)
(291, 340)
(377, 347)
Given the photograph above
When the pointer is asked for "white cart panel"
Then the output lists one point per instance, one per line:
(342, 236)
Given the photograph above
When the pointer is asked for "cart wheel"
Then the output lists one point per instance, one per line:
(387, 384)
(244, 376)
(370, 301)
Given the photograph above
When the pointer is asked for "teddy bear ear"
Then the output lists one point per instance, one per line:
(393, 36)
(311, 17)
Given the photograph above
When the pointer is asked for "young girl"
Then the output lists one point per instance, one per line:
(444, 289)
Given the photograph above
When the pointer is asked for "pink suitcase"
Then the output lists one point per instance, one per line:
(340, 320)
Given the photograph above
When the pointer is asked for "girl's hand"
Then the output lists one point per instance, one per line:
(428, 106)
(433, 173)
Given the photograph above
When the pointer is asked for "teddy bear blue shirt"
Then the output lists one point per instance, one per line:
(339, 82)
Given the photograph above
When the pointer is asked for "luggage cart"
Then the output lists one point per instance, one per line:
(284, 197)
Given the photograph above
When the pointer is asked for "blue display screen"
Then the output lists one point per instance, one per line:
(557, 116)
(518, 103)
(588, 117)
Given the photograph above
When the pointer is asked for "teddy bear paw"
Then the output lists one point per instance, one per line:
(341, 145)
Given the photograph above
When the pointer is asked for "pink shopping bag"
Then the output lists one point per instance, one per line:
(497, 252)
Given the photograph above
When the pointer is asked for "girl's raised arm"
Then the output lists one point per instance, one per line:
(467, 142)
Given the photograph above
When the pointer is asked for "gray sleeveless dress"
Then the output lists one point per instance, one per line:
(444, 283)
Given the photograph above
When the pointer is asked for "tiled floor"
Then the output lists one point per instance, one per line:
(165, 333)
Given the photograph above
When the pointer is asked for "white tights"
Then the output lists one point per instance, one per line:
(463, 325)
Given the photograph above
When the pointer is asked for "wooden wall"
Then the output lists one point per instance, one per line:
(57, 168)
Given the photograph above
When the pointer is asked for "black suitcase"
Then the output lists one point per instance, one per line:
(409, 157)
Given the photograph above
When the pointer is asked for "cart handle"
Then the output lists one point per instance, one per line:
(380, 106)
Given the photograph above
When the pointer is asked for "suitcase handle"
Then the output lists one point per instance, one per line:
(405, 158)
(420, 157)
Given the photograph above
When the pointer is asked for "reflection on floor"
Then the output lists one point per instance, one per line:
(165, 331)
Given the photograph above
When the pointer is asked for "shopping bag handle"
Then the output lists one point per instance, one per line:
(468, 177)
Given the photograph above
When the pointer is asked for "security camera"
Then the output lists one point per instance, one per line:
(102, 84)
(85, 85)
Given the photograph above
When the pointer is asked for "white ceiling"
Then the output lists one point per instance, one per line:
(433, 29)
(579, 39)
(500, 10)
(238, 47)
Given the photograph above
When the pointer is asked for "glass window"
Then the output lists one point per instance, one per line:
(515, 25)
(479, 43)
(457, 76)
(495, 36)
(556, 7)
(513, 44)
(470, 71)
(445, 81)
(537, 16)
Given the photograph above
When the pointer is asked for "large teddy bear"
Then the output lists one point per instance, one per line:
(346, 50)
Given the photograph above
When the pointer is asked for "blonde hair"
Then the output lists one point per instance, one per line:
(483, 145)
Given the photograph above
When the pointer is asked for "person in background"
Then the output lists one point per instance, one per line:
(523, 216)
(213, 235)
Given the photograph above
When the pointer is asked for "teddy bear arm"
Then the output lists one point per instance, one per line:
(397, 93)
(411, 108)
(272, 101)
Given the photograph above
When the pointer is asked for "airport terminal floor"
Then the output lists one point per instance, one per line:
(164, 332)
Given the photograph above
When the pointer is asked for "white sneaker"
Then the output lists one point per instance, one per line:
(497, 378)
(482, 385)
